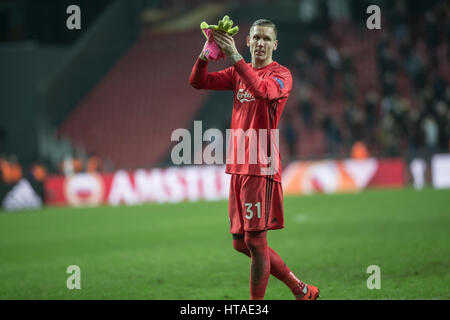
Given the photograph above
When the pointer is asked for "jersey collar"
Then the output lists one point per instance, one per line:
(273, 62)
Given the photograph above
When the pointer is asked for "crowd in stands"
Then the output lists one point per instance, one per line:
(358, 93)
(71, 165)
(387, 89)
(11, 171)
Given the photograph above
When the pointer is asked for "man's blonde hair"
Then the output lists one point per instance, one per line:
(266, 23)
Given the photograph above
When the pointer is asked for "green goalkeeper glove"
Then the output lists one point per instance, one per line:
(225, 24)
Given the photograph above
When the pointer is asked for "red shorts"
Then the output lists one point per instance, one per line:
(255, 204)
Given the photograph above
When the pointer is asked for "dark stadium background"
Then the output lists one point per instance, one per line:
(107, 97)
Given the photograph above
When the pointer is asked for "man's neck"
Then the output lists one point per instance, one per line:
(261, 63)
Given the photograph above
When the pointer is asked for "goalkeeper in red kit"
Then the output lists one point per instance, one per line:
(261, 89)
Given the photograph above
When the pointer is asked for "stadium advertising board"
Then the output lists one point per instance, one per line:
(434, 171)
(328, 176)
(173, 184)
(440, 171)
(193, 183)
(23, 195)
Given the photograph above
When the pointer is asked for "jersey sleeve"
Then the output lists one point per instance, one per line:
(273, 87)
(201, 79)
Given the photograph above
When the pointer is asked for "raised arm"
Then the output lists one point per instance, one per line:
(275, 86)
(201, 79)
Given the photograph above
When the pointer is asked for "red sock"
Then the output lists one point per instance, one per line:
(277, 268)
(260, 267)
(282, 272)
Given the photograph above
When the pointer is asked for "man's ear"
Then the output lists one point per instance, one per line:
(275, 45)
(248, 41)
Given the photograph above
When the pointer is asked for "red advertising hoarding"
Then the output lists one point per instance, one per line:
(194, 183)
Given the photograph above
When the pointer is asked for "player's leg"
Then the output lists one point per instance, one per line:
(253, 197)
(280, 270)
(256, 243)
(235, 206)
(266, 213)
(239, 244)
(249, 236)
(277, 267)
(276, 221)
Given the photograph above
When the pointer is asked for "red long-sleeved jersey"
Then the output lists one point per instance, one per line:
(259, 99)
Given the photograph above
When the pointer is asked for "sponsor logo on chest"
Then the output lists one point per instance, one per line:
(244, 96)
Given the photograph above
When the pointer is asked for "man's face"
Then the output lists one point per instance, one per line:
(262, 42)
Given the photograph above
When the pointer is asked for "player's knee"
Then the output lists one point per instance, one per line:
(255, 240)
(239, 245)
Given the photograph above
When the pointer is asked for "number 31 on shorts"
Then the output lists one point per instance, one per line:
(249, 210)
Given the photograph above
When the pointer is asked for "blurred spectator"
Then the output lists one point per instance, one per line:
(431, 30)
(371, 109)
(399, 111)
(431, 132)
(399, 17)
(389, 83)
(441, 110)
(387, 61)
(347, 61)
(354, 120)
(305, 106)
(290, 135)
(39, 172)
(350, 86)
(11, 170)
(71, 165)
(93, 164)
(67, 166)
(415, 66)
(389, 136)
(447, 130)
(394, 85)
(4, 170)
(332, 134)
(16, 169)
(447, 96)
(359, 150)
(414, 131)
(438, 83)
(333, 56)
(333, 66)
(316, 48)
(301, 62)
(78, 165)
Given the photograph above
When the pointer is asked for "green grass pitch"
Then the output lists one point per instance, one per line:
(184, 251)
